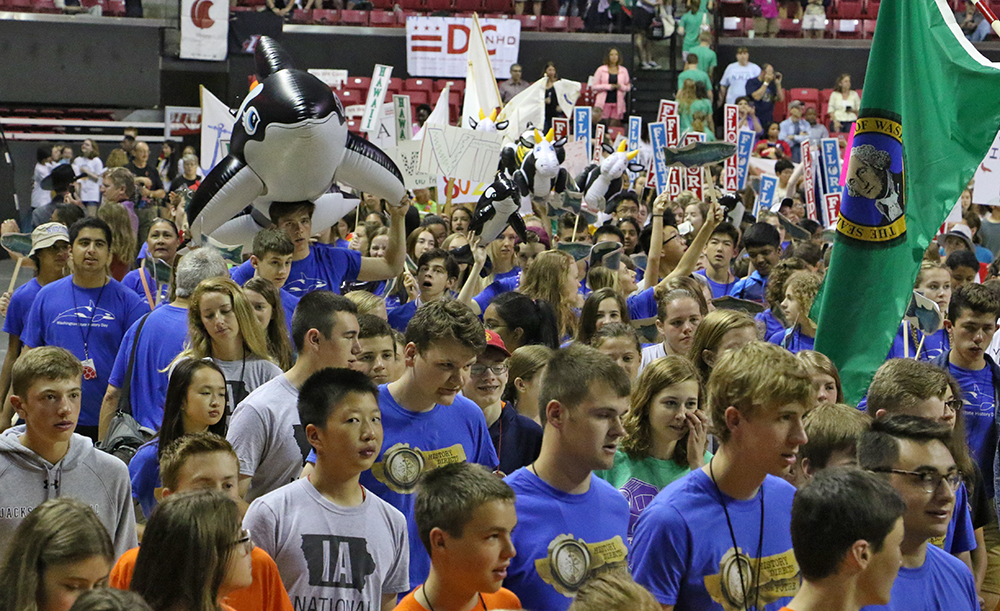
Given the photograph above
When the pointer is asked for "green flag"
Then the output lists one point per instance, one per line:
(930, 111)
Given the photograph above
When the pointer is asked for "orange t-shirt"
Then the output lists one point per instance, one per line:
(266, 594)
(502, 599)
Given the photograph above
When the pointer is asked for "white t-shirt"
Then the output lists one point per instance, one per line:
(332, 557)
(40, 196)
(735, 78)
(90, 188)
(651, 353)
(268, 438)
(245, 376)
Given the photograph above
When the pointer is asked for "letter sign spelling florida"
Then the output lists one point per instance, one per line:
(873, 209)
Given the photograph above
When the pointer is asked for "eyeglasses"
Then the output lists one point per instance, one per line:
(929, 480)
(245, 540)
(954, 405)
(667, 241)
(498, 370)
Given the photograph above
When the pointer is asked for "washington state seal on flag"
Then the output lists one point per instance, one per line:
(873, 208)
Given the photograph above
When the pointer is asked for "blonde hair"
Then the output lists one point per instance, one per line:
(830, 428)
(367, 302)
(48, 362)
(123, 239)
(525, 363)
(613, 591)
(710, 332)
(117, 159)
(279, 346)
(59, 531)
(926, 266)
(804, 286)
(544, 280)
(758, 375)
(199, 340)
(819, 363)
(659, 374)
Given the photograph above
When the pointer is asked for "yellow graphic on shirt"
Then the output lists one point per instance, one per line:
(938, 541)
(571, 562)
(401, 465)
(779, 577)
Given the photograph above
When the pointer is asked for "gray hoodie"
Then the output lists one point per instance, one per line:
(85, 474)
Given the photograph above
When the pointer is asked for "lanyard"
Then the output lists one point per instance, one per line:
(90, 323)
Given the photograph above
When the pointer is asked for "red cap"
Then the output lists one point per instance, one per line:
(493, 341)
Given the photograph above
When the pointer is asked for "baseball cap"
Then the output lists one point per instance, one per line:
(493, 341)
(47, 234)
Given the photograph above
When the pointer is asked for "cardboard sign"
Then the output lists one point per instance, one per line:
(406, 156)
(694, 177)
(987, 189)
(634, 140)
(401, 112)
(576, 157)
(581, 125)
(334, 79)
(459, 153)
(766, 197)
(809, 180)
(376, 94)
(598, 141)
(831, 165)
(667, 108)
(831, 202)
(730, 174)
(658, 138)
(462, 191)
(560, 126)
(744, 146)
(675, 178)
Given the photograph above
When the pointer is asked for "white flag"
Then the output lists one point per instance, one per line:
(439, 116)
(481, 93)
(216, 130)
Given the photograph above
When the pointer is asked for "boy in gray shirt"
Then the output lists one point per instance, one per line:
(336, 544)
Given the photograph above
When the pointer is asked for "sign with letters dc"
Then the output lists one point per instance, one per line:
(437, 46)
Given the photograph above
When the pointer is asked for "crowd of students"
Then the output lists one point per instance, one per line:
(391, 414)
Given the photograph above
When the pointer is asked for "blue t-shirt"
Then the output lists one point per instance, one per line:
(89, 323)
(288, 303)
(961, 536)
(133, 281)
(400, 316)
(752, 287)
(495, 289)
(562, 539)
(979, 408)
(718, 290)
(414, 442)
(161, 340)
(771, 322)
(19, 306)
(934, 344)
(943, 583)
(683, 554)
(793, 340)
(642, 305)
(144, 471)
(326, 267)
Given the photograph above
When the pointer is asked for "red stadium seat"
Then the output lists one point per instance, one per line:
(325, 16)
(44, 6)
(471, 6)
(419, 84)
(869, 27)
(411, 5)
(383, 19)
(455, 97)
(871, 8)
(418, 97)
(115, 8)
(790, 28)
(780, 110)
(804, 94)
(437, 5)
(395, 84)
(349, 97)
(354, 17)
(848, 28)
(456, 85)
(528, 22)
(847, 9)
(358, 82)
(385, 5)
(555, 23)
(254, 2)
(576, 24)
(499, 6)
(299, 16)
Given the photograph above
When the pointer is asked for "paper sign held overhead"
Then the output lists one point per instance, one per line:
(581, 125)
(376, 94)
(694, 177)
(767, 196)
(831, 201)
(658, 138)
(730, 176)
(598, 141)
(831, 165)
(406, 156)
(459, 153)
(560, 125)
(744, 146)
(667, 108)
(809, 178)
(401, 112)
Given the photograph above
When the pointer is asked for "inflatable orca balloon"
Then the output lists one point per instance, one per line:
(600, 183)
(497, 208)
(290, 143)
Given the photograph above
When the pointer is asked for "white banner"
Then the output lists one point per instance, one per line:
(437, 46)
(462, 191)
(180, 121)
(205, 29)
(216, 130)
(987, 189)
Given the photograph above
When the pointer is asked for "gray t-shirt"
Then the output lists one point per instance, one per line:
(332, 557)
(268, 438)
(989, 233)
(245, 375)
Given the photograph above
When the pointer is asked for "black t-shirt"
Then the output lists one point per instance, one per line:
(180, 183)
(516, 438)
(147, 172)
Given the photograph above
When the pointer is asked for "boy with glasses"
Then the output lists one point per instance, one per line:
(912, 454)
(517, 438)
